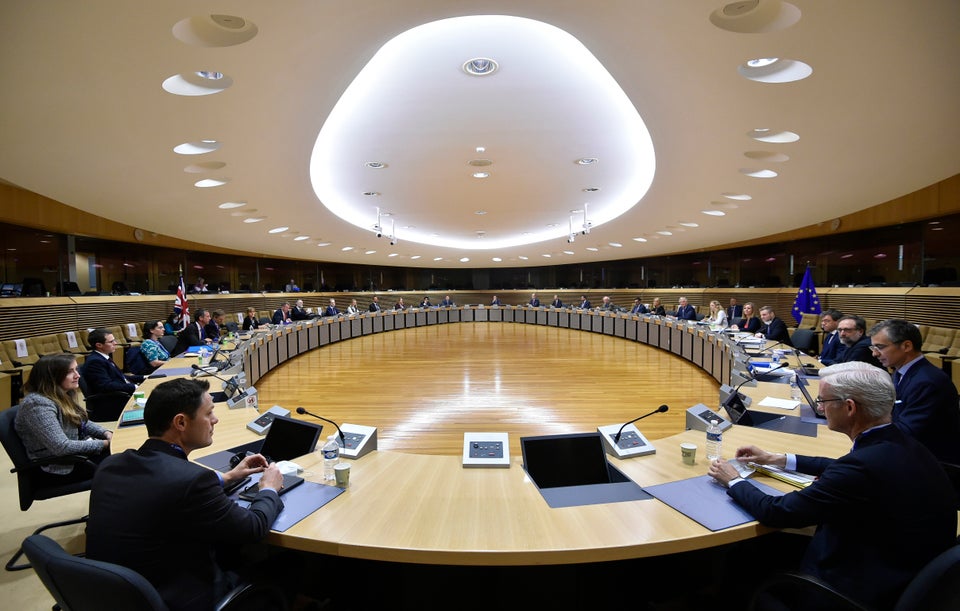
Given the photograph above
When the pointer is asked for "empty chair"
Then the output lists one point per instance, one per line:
(70, 342)
(82, 584)
(938, 339)
(21, 351)
(805, 340)
(810, 321)
(46, 344)
(30, 484)
(169, 342)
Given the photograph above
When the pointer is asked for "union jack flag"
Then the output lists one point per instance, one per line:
(180, 307)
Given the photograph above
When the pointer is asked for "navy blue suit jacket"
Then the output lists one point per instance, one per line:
(884, 511)
(832, 350)
(776, 331)
(639, 309)
(102, 375)
(585, 304)
(535, 303)
(928, 410)
(163, 516)
(734, 312)
(279, 317)
(331, 311)
(191, 335)
(686, 312)
(859, 352)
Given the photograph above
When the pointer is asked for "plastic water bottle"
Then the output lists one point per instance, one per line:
(331, 456)
(714, 440)
(794, 389)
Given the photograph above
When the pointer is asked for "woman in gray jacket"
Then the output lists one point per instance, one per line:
(51, 422)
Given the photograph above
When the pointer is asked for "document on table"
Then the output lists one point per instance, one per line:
(780, 403)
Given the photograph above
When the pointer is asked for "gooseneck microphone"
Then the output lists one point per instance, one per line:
(662, 408)
(232, 385)
(302, 411)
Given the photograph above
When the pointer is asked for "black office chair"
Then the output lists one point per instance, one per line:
(29, 486)
(105, 406)
(169, 342)
(935, 588)
(82, 584)
(805, 340)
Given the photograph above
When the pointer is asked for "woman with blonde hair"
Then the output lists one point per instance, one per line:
(52, 423)
(749, 323)
(718, 316)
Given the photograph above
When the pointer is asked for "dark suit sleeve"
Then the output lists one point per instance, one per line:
(101, 377)
(214, 517)
(837, 494)
(277, 317)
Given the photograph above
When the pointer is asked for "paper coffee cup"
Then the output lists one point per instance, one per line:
(342, 474)
(689, 453)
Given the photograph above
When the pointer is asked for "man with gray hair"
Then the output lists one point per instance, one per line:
(882, 511)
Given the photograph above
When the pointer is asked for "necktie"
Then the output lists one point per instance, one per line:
(897, 376)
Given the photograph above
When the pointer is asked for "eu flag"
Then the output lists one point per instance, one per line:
(807, 301)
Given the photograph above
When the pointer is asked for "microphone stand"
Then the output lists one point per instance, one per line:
(233, 382)
(662, 408)
(302, 411)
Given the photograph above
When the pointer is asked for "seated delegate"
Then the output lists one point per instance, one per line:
(51, 422)
(152, 350)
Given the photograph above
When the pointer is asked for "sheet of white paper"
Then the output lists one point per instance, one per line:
(781, 403)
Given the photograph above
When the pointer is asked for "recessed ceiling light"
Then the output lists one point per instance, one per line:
(665, 232)
(587, 160)
(278, 230)
(196, 148)
(210, 75)
(393, 254)
(323, 243)
(737, 196)
(616, 244)
(346, 248)
(415, 257)
(936, 229)
(774, 70)
(438, 258)
(547, 255)
(576, 211)
(568, 252)
(593, 249)
(211, 182)
(231, 205)
(761, 62)
(591, 189)
(480, 212)
(497, 259)
(480, 66)
(464, 259)
(254, 219)
(880, 255)
(770, 259)
(301, 238)
(758, 173)
(846, 256)
(481, 149)
(370, 252)
(375, 165)
(481, 174)
(766, 135)
(690, 224)
(639, 239)
(479, 163)
(523, 258)
(372, 193)
(551, 225)
(714, 212)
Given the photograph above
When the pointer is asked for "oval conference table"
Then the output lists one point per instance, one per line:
(429, 509)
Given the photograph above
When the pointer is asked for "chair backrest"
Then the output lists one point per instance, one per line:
(169, 342)
(81, 584)
(936, 587)
(804, 340)
(134, 361)
(938, 338)
(24, 353)
(18, 454)
(46, 344)
(810, 321)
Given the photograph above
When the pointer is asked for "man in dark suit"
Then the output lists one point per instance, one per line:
(685, 311)
(556, 303)
(773, 328)
(832, 346)
(154, 511)
(927, 405)
(446, 302)
(584, 303)
(884, 510)
(375, 304)
(853, 334)
(495, 301)
(99, 372)
(638, 308)
(298, 312)
(214, 327)
(735, 311)
(194, 334)
(282, 315)
(331, 309)
(534, 301)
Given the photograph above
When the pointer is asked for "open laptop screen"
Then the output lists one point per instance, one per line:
(553, 461)
(289, 438)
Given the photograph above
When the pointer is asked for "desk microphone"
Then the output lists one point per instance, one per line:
(230, 386)
(302, 411)
(773, 346)
(758, 376)
(662, 408)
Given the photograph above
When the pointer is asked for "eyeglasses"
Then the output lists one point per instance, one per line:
(880, 347)
(846, 329)
(820, 401)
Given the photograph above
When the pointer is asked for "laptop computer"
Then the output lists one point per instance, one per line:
(811, 403)
(571, 470)
(287, 439)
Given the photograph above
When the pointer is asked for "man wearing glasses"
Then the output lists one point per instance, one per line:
(853, 334)
(927, 399)
(883, 510)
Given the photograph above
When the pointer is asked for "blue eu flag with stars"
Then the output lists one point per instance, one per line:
(807, 301)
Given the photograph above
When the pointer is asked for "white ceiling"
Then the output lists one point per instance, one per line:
(84, 120)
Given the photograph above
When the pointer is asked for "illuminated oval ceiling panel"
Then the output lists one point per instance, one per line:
(524, 93)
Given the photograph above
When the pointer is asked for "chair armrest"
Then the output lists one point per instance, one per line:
(53, 460)
(792, 584)
(253, 596)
